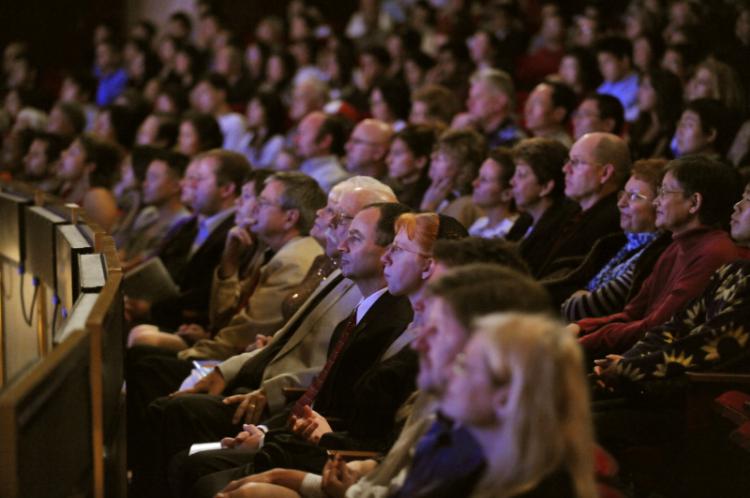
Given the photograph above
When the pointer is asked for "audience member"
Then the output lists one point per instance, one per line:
(409, 162)
(40, 163)
(265, 129)
(704, 128)
(368, 147)
(433, 105)
(161, 193)
(539, 192)
(85, 172)
(597, 167)
(319, 142)
(199, 132)
(111, 75)
(493, 194)
(455, 162)
(547, 110)
(659, 107)
(210, 97)
(615, 56)
(598, 112)
(490, 107)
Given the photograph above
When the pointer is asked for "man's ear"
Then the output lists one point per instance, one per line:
(547, 188)
(421, 162)
(696, 202)
(291, 219)
(711, 137)
(228, 190)
(608, 172)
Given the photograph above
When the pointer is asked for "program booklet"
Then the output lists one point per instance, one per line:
(150, 281)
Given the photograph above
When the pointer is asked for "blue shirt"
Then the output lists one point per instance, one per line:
(110, 86)
(448, 462)
(626, 91)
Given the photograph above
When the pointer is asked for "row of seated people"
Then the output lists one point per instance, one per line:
(691, 203)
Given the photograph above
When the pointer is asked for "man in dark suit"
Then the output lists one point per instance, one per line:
(193, 249)
(356, 393)
(598, 166)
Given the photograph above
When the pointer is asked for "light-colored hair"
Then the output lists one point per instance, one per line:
(377, 190)
(421, 228)
(547, 424)
(497, 80)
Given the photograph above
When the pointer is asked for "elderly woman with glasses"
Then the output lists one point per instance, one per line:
(607, 290)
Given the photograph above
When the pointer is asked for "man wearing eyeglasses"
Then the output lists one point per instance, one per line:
(597, 168)
(694, 203)
(368, 147)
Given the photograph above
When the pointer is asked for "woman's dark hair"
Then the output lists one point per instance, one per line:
(124, 122)
(715, 116)
(420, 139)
(588, 69)
(396, 96)
(546, 158)
(106, 157)
(274, 110)
(207, 128)
(668, 89)
(175, 93)
(140, 157)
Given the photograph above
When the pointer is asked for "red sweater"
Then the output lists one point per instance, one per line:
(680, 274)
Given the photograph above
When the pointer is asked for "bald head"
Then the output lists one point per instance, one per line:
(598, 166)
(367, 148)
(611, 149)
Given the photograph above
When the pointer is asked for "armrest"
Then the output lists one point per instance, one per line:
(718, 378)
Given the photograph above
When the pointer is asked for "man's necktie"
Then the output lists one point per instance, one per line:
(309, 396)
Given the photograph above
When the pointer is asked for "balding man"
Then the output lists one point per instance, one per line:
(319, 142)
(597, 167)
(368, 147)
(490, 104)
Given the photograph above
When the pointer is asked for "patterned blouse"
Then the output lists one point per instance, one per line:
(710, 332)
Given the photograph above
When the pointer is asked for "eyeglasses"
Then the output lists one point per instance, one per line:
(394, 249)
(263, 203)
(630, 196)
(662, 192)
(340, 219)
(575, 162)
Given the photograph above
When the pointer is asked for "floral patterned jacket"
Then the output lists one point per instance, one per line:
(712, 331)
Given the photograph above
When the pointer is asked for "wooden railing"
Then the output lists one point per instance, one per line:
(62, 416)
